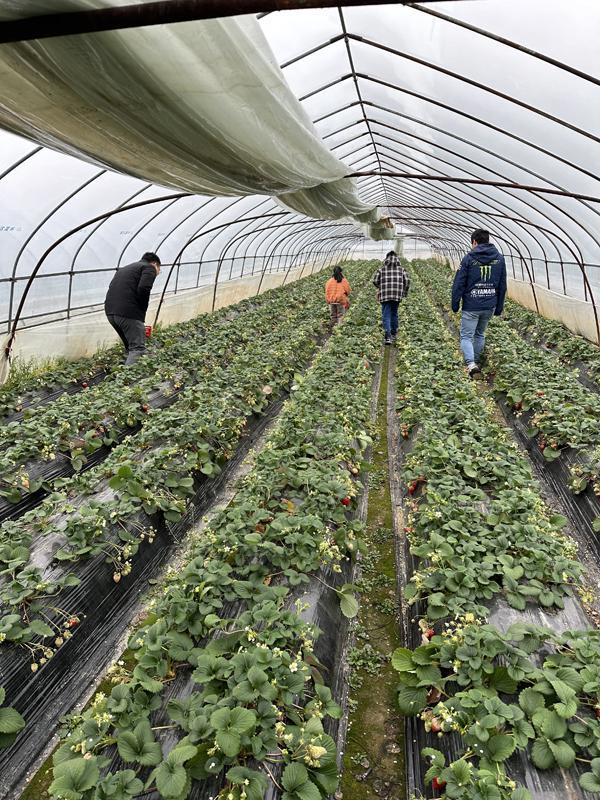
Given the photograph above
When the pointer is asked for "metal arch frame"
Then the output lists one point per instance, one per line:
(20, 161)
(580, 262)
(276, 225)
(409, 194)
(242, 236)
(270, 255)
(482, 182)
(88, 237)
(434, 156)
(195, 238)
(520, 256)
(182, 222)
(330, 251)
(327, 224)
(198, 232)
(38, 227)
(142, 226)
(508, 42)
(250, 233)
(340, 252)
(269, 248)
(458, 155)
(56, 243)
(477, 85)
(516, 248)
(245, 242)
(297, 243)
(433, 101)
(354, 76)
(357, 87)
(300, 241)
(488, 202)
(310, 246)
(508, 237)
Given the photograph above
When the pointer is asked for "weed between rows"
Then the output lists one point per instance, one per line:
(374, 757)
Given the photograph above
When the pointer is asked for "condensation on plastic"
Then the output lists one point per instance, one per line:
(200, 106)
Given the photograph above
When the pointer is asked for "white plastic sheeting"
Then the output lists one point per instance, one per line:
(388, 89)
(407, 92)
(200, 106)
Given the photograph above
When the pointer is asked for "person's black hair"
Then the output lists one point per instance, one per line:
(151, 257)
(480, 236)
(338, 274)
(391, 253)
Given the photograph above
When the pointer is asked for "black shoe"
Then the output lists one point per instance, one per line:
(474, 370)
(387, 340)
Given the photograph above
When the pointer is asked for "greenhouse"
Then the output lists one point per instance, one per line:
(299, 400)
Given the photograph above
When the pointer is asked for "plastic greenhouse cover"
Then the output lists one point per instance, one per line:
(425, 93)
(201, 106)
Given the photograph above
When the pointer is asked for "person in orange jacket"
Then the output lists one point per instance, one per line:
(337, 291)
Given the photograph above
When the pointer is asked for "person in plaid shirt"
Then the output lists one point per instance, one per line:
(392, 282)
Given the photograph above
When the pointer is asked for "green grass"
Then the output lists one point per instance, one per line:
(375, 738)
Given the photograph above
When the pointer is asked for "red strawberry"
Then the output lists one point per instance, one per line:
(346, 501)
(435, 725)
(145, 408)
(73, 622)
(84, 385)
(598, 713)
(430, 633)
(437, 785)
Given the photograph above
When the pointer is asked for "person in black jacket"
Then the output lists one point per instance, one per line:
(127, 302)
(480, 286)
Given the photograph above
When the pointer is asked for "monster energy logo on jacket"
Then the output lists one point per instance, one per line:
(486, 269)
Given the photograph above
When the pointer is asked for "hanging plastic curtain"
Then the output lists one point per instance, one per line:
(198, 106)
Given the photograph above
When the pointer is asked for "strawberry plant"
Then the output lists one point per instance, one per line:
(229, 619)
(479, 530)
(155, 471)
(68, 432)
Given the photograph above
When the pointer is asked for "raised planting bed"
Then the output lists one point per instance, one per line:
(499, 695)
(228, 694)
(109, 511)
(76, 432)
(548, 406)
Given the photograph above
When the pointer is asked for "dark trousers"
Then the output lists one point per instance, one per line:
(133, 335)
(389, 317)
(337, 312)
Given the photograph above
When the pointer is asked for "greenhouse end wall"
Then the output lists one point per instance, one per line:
(85, 334)
(575, 314)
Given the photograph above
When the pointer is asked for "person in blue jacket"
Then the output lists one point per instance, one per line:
(480, 285)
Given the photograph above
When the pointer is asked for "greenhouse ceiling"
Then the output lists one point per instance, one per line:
(450, 116)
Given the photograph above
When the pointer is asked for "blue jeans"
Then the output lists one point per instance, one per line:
(472, 333)
(389, 317)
